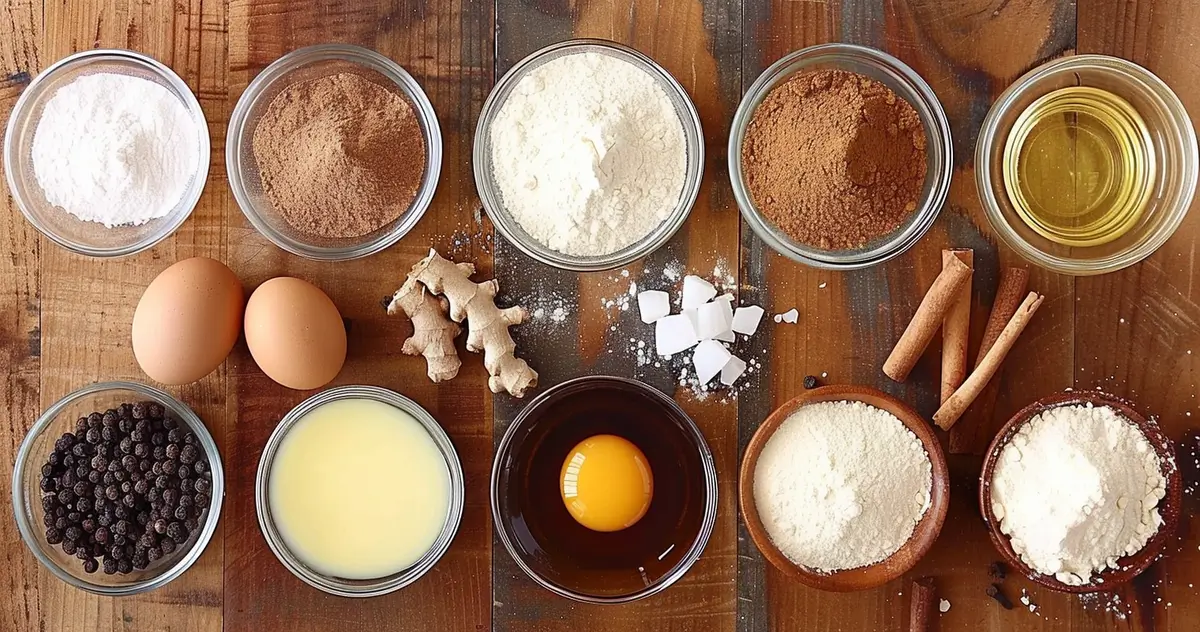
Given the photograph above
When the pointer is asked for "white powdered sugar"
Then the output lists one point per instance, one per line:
(1076, 489)
(115, 149)
(841, 485)
(589, 154)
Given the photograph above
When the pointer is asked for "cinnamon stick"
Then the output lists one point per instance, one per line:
(1009, 293)
(920, 611)
(927, 320)
(956, 327)
(954, 407)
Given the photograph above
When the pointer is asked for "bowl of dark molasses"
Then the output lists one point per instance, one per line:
(604, 490)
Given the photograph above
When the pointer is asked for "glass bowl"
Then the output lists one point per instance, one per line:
(39, 442)
(1171, 135)
(306, 64)
(358, 587)
(907, 84)
(569, 559)
(66, 230)
(489, 192)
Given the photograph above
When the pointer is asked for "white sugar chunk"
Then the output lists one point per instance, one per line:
(725, 297)
(713, 319)
(673, 334)
(746, 319)
(696, 291)
(790, 316)
(710, 357)
(732, 370)
(726, 336)
(653, 304)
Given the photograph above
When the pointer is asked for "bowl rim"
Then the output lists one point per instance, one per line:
(925, 533)
(178, 86)
(362, 57)
(489, 194)
(382, 585)
(938, 136)
(710, 477)
(187, 416)
(1169, 506)
(988, 139)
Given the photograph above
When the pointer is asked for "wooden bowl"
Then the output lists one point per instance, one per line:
(1129, 566)
(906, 556)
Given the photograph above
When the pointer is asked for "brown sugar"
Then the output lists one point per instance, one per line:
(834, 159)
(340, 156)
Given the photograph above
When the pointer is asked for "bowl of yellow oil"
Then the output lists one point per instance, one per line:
(1086, 164)
(604, 490)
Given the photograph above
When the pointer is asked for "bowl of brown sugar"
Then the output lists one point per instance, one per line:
(333, 152)
(840, 156)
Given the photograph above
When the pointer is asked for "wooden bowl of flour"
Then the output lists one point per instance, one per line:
(925, 533)
(1169, 507)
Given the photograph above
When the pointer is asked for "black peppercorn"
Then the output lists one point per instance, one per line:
(88, 525)
(93, 436)
(101, 534)
(158, 452)
(110, 566)
(200, 466)
(84, 506)
(124, 566)
(53, 535)
(188, 454)
(182, 513)
(168, 545)
(90, 565)
(203, 486)
(68, 546)
(177, 532)
(121, 528)
(810, 381)
(169, 467)
(95, 477)
(153, 553)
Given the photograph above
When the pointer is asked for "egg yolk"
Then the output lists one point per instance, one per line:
(606, 483)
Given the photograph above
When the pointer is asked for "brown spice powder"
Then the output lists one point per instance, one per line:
(834, 159)
(340, 156)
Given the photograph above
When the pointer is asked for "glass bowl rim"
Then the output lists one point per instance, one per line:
(489, 194)
(363, 57)
(988, 139)
(179, 88)
(939, 139)
(187, 416)
(382, 585)
(695, 550)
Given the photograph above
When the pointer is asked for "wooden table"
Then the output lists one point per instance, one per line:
(66, 318)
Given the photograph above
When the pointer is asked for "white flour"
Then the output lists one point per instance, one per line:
(589, 154)
(1076, 489)
(115, 149)
(841, 485)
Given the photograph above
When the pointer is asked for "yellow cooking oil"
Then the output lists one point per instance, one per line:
(1079, 166)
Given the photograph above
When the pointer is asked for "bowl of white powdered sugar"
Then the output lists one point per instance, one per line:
(106, 152)
(1080, 492)
(588, 155)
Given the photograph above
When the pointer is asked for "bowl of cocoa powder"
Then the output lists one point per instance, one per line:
(333, 152)
(840, 156)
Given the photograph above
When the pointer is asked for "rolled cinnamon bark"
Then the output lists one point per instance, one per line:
(921, 610)
(927, 320)
(1009, 293)
(954, 407)
(956, 327)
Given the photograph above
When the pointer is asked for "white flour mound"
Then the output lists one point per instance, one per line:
(115, 149)
(842, 485)
(1076, 489)
(589, 154)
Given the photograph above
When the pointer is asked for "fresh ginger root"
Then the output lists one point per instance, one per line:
(487, 325)
(433, 333)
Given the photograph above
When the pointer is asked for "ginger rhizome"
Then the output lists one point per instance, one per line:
(487, 325)
(433, 333)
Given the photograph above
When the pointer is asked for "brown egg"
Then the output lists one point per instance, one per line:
(295, 333)
(187, 320)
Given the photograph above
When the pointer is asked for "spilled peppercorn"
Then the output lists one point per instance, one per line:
(108, 486)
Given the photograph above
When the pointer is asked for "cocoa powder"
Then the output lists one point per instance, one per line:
(834, 159)
(340, 156)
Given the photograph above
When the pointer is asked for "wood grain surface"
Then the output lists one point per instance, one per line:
(66, 319)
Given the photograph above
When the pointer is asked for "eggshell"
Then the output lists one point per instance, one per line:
(295, 333)
(187, 320)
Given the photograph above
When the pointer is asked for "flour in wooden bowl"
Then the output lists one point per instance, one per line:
(841, 485)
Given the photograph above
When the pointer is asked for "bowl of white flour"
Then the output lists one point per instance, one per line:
(107, 152)
(844, 488)
(588, 155)
(1080, 492)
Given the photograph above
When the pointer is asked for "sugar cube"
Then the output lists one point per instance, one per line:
(653, 305)
(673, 334)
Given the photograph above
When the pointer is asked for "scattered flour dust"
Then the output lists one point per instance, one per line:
(841, 485)
(1076, 489)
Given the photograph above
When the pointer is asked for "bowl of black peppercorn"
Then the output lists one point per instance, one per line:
(117, 488)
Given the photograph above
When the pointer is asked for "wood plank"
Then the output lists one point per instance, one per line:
(968, 52)
(1137, 332)
(446, 46)
(698, 42)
